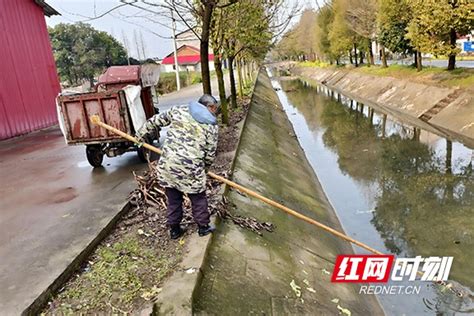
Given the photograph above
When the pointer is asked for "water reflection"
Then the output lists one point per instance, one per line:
(416, 188)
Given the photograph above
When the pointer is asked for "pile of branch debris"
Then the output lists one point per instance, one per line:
(149, 194)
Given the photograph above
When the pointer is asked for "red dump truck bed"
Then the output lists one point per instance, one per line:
(76, 110)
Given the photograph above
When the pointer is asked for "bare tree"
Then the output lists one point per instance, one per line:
(126, 44)
(142, 45)
(194, 15)
(137, 44)
(361, 17)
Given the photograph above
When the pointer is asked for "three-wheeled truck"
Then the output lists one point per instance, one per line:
(122, 98)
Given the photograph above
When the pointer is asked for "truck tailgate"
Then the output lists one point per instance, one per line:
(76, 110)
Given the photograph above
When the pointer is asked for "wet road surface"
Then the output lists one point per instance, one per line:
(53, 203)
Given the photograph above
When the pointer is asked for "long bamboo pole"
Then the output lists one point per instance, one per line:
(96, 120)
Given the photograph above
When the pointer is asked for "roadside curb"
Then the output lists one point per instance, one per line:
(179, 291)
(39, 303)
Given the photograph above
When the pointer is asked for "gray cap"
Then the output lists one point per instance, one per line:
(208, 100)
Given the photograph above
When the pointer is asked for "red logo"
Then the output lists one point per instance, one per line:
(362, 268)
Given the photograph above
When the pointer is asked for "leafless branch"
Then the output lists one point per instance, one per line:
(88, 18)
(142, 27)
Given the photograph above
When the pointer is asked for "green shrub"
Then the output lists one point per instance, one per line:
(167, 82)
(195, 77)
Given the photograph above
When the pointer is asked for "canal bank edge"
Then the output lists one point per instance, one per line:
(246, 273)
(179, 290)
(447, 112)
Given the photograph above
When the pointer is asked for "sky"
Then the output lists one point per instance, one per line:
(125, 22)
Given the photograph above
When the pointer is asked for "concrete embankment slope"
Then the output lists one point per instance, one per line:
(448, 112)
(246, 273)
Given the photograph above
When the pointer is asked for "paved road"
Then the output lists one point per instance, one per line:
(189, 93)
(53, 204)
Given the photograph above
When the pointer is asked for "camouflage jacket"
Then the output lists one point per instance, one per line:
(189, 148)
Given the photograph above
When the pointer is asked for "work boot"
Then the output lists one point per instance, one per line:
(176, 231)
(205, 230)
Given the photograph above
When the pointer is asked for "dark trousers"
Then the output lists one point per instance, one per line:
(175, 207)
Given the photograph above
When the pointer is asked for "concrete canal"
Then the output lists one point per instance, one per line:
(397, 188)
(288, 271)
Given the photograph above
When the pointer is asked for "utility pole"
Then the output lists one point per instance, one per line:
(176, 65)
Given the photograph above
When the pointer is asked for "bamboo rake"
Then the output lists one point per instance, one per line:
(96, 120)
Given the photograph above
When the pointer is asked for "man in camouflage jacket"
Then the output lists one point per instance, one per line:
(187, 153)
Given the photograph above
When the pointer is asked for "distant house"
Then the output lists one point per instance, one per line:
(188, 38)
(29, 82)
(189, 59)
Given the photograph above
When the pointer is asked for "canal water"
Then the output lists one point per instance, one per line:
(397, 188)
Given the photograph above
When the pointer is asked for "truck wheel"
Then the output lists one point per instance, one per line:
(143, 154)
(95, 155)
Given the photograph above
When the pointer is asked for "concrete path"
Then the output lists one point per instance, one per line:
(248, 274)
(53, 204)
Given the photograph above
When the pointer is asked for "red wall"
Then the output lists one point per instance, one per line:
(28, 78)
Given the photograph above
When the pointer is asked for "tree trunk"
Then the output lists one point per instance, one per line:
(370, 54)
(449, 156)
(384, 57)
(249, 72)
(452, 56)
(91, 83)
(350, 57)
(415, 56)
(221, 84)
(384, 124)
(233, 92)
(449, 170)
(239, 74)
(361, 59)
(419, 66)
(204, 54)
(416, 134)
(355, 54)
(246, 72)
